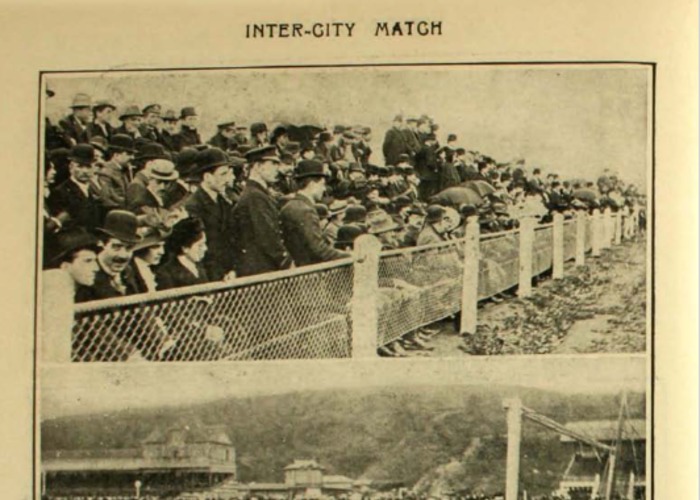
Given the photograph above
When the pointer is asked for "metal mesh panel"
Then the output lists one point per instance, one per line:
(418, 286)
(569, 240)
(295, 316)
(499, 264)
(542, 250)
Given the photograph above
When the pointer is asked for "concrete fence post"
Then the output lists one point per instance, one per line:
(470, 277)
(581, 218)
(365, 297)
(57, 316)
(558, 247)
(596, 227)
(527, 238)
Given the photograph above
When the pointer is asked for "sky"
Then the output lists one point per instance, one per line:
(92, 388)
(577, 120)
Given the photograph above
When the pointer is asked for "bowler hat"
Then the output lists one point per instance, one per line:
(170, 116)
(257, 128)
(324, 137)
(382, 224)
(154, 109)
(402, 201)
(337, 206)
(208, 160)
(130, 112)
(152, 151)
(264, 153)
(403, 158)
(435, 213)
(103, 104)
(278, 132)
(122, 143)
(451, 137)
(186, 162)
(162, 170)
(72, 240)
(83, 154)
(121, 225)
(310, 168)
(292, 147)
(339, 129)
(355, 213)
(382, 171)
(356, 167)
(187, 111)
(81, 101)
(347, 236)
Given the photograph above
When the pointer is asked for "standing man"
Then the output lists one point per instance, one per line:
(131, 119)
(301, 226)
(150, 126)
(395, 142)
(75, 196)
(257, 244)
(224, 139)
(100, 125)
(116, 173)
(74, 125)
(209, 203)
(188, 135)
(258, 135)
(171, 127)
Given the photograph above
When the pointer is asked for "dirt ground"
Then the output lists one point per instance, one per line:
(600, 307)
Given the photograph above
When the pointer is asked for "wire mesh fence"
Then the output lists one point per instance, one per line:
(302, 315)
(308, 312)
(418, 286)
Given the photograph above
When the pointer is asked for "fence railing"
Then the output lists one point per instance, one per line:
(343, 308)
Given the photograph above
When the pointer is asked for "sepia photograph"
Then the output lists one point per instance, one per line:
(547, 429)
(364, 211)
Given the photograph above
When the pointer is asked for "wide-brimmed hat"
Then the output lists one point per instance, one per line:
(435, 213)
(152, 151)
(121, 225)
(83, 154)
(81, 101)
(162, 170)
(208, 160)
(383, 224)
(103, 104)
(170, 116)
(152, 237)
(187, 111)
(71, 240)
(264, 153)
(225, 125)
(337, 206)
(310, 168)
(154, 109)
(130, 112)
(122, 143)
(99, 142)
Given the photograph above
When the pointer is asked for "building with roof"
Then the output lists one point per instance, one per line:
(587, 468)
(167, 462)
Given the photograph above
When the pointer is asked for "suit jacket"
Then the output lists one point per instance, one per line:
(73, 130)
(149, 132)
(217, 219)
(103, 288)
(412, 142)
(94, 130)
(84, 211)
(221, 142)
(173, 274)
(301, 230)
(257, 241)
(113, 185)
(122, 130)
(394, 145)
(186, 137)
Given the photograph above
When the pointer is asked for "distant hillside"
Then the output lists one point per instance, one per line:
(447, 437)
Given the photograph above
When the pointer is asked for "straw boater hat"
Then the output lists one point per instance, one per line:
(162, 170)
